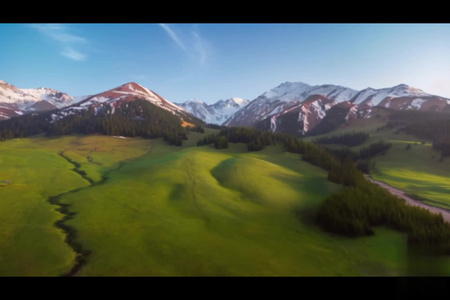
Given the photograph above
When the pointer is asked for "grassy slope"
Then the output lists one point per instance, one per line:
(416, 171)
(195, 212)
(30, 244)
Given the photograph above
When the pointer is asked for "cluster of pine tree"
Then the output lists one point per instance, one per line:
(349, 139)
(220, 142)
(364, 156)
(436, 130)
(135, 118)
(356, 209)
(374, 149)
(428, 126)
(26, 125)
(255, 139)
(362, 204)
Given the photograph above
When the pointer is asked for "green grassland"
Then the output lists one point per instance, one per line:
(199, 211)
(30, 172)
(160, 210)
(417, 171)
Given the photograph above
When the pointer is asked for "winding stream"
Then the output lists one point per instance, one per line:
(71, 233)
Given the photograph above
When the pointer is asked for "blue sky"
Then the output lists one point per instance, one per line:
(210, 62)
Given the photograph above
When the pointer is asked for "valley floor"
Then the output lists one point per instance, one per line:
(160, 210)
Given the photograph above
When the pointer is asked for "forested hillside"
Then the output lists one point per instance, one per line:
(134, 118)
(425, 125)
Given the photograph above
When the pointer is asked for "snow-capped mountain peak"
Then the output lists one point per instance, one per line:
(375, 97)
(114, 100)
(286, 96)
(312, 103)
(286, 91)
(17, 101)
(124, 93)
(216, 113)
(195, 101)
(241, 102)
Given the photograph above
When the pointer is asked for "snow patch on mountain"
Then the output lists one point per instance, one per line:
(353, 113)
(127, 92)
(417, 103)
(284, 97)
(289, 91)
(374, 97)
(109, 101)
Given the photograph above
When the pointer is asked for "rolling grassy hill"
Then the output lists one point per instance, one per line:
(144, 208)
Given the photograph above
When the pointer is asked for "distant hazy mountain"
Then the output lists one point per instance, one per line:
(16, 101)
(216, 113)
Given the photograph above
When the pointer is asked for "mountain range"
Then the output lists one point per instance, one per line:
(298, 108)
(291, 107)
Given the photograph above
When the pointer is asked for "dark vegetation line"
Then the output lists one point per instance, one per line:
(363, 157)
(71, 232)
(424, 125)
(349, 139)
(77, 168)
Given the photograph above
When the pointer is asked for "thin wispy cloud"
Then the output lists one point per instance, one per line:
(173, 36)
(68, 42)
(192, 43)
(73, 54)
(201, 47)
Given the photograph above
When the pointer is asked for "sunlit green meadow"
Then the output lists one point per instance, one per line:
(30, 172)
(160, 210)
(205, 212)
(417, 171)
